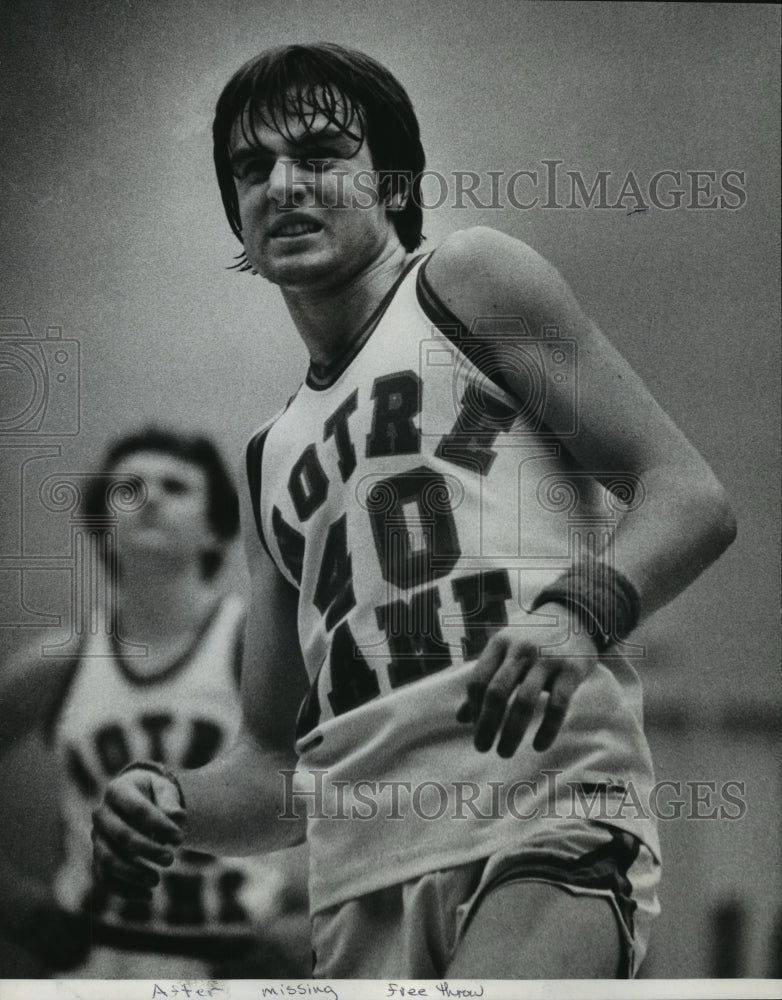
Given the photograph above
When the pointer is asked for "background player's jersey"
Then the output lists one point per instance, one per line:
(183, 717)
(418, 506)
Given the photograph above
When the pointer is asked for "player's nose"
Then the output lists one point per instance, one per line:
(154, 493)
(287, 182)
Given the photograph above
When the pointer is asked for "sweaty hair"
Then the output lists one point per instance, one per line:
(358, 96)
(222, 509)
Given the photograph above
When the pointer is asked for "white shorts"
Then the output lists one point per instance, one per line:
(413, 930)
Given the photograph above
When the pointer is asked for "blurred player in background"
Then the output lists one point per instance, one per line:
(433, 628)
(167, 690)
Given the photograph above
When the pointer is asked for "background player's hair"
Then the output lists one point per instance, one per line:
(357, 95)
(222, 508)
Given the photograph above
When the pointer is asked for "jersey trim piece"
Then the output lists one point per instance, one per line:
(176, 665)
(324, 376)
(254, 460)
(238, 657)
(467, 341)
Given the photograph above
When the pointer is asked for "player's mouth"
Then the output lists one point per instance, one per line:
(290, 228)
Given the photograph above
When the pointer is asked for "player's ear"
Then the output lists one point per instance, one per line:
(395, 187)
(396, 203)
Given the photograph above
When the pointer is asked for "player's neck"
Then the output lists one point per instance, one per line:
(163, 603)
(327, 318)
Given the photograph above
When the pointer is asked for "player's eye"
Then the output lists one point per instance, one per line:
(175, 487)
(254, 169)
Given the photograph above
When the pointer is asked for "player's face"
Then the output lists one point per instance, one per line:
(173, 522)
(309, 205)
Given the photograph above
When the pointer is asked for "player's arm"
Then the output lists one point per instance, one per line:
(232, 805)
(685, 520)
(31, 688)
(31, 685)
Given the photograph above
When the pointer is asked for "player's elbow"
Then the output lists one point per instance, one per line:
(718, 516)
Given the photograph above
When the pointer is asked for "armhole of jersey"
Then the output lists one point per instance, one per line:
(453, 329)
(254, 472)
(65, 683)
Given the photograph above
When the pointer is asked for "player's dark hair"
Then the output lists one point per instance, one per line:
(222, 509)
(294, 83)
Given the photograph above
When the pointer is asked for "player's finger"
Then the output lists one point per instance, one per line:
(108, 866)
(123, 841)
(120, 878)
(487, 665)
(135, 804)
(522, 709)
(498, 693)
(561, 691)
(166, 797)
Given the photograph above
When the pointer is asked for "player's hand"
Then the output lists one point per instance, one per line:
(514, 671)
(58, 937)
(138, 824)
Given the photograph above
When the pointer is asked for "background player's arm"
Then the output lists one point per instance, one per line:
(682, 525)
(31, 686)
(233, 803)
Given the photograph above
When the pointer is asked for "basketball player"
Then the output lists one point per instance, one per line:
(455, 628)
(166, 688)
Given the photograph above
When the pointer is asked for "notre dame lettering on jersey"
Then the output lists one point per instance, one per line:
(417, 506)
(104, 723)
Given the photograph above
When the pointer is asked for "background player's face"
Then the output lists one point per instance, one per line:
(311, 214)
(173, 523)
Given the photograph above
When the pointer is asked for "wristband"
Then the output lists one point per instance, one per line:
(604, 600)
(157, 768)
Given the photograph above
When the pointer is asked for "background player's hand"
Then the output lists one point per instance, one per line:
(35, 920)
(517, 667)
(138, 823)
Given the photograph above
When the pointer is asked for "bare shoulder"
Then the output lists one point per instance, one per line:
(31, 684)
(481, 271)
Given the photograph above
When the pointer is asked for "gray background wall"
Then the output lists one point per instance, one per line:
(113, 230)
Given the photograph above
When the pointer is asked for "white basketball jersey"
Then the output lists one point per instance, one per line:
(113, 714)
(418, 507)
